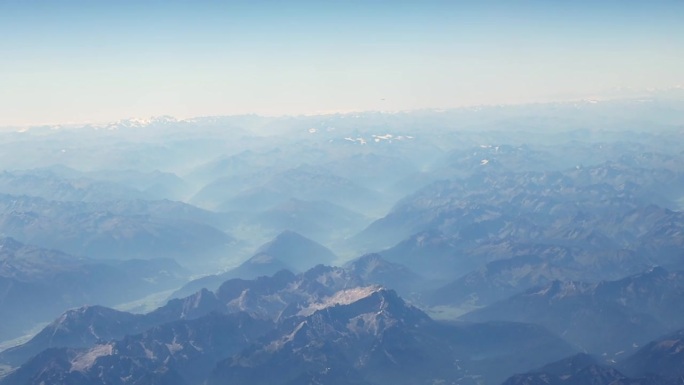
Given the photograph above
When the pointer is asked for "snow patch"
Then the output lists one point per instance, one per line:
(174, 346)
(358, 140)
(86, 360)
(277, 344)
(342, 297)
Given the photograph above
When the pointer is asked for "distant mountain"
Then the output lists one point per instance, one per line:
(297, 251)
(539, 216)
(49, 185)
(226, 168)
(319, 220)
(287, 251)
(95, 231)
(371, 169)
(292, 183)
(430, 253)
(38, 284)
(441, 226)
(607, 317)
(63, 183)
(497, 280)
(154, 184)
(581, 369)
(174, 353)
(373, 269)
(663, 357)
(165, 209)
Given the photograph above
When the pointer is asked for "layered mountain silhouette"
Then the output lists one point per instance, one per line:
(38, 284)
(547, 239)
(116, 230)
(319, 220)
(583, 369)
(663, 357)
(287, 251)
(610, 317)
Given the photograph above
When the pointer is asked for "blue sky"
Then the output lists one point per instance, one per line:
(95, 61)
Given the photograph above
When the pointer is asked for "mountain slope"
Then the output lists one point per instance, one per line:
(607, 317)
(663, 357)
(37, 284)
(297, 251)
(373, 335)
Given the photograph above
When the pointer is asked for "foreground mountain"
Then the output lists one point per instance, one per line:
(369, 335)
(174, 353)
(364, 335)
(264, 297)
(78, 328)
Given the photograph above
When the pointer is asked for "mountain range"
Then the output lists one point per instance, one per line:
(37, 284)
(308, 327)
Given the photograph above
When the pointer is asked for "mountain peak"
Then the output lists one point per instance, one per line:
(295, 250)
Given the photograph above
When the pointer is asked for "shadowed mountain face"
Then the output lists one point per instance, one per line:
(287, 251)
(663, 357)
(82, 327)
(442, 229)
(59, 183)
(165, 354)
(365, 334)
(608, 317)
(496, 281)
(265, 297)
(37, 284)
(318, 220)
(373, 269)
(297, 251)
(278, 188)
(368, 269)
(582, 369)
(117, 230)
(377, 339)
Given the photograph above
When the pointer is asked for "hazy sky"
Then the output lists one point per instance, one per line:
(77, 61)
